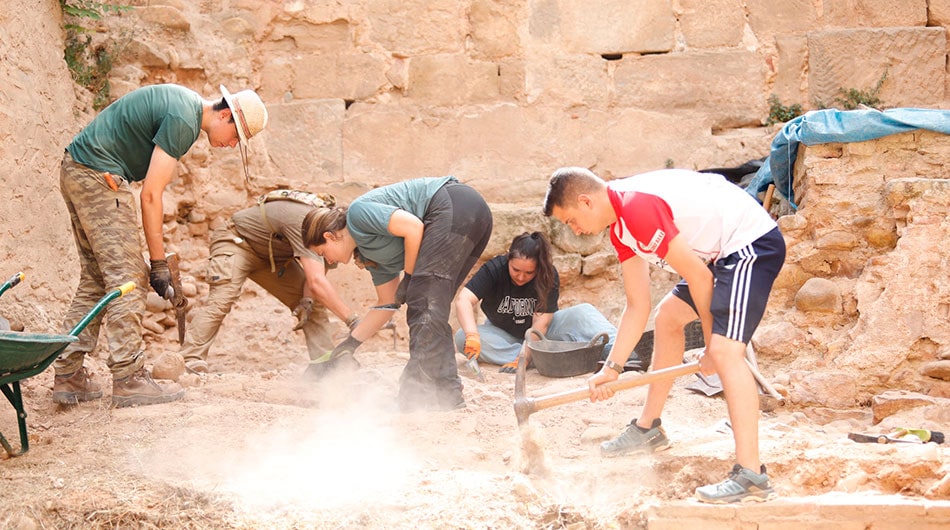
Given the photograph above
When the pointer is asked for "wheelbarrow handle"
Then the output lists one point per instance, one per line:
(15, 279)
(123, 289)
(126, 288)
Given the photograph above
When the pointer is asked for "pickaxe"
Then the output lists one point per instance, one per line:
(525, 406)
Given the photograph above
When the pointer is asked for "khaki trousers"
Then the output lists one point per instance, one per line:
(107, 234)
(231, 263)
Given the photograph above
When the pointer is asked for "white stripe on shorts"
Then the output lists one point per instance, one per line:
(739, 297)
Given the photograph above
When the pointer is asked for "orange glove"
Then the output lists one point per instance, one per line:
(509, 368)
(473, 346)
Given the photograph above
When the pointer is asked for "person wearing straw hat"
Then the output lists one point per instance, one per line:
(138, 138)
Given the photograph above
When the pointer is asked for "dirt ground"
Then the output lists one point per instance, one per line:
(255, 445)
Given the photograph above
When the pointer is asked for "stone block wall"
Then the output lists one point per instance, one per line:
(500, 93)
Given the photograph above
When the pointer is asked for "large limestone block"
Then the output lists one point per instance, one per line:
(304, 37)
(617, 26)
(711, 23)
(790, 75)
(914, 59)
(938, 12)
(728, 86)
(495, 26)
(768, 17)
(414, 28)
(304, 140)
(345, 75)
(875, 13)
(544, 19)
(505, 151)
(277, 79)
(567, 80)
(452, 80)
(637, 140)
(511, 78)
(726, 148)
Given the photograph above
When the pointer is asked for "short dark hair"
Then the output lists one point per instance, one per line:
(567, 183)
(221, 105)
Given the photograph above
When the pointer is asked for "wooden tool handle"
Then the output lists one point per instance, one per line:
(625, 382)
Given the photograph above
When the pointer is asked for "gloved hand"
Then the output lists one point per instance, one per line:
(353, 321)
(509, 368)
(473, 346)
(327, 364)
(348, 346)
(160, 278)
(402, 288)
(302, 311)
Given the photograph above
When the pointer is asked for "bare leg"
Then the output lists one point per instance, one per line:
(742, 397)
(669, 344)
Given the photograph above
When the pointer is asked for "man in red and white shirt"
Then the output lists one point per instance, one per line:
(728, 251)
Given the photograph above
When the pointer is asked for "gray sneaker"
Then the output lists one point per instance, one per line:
(742, 485)
(635, 440)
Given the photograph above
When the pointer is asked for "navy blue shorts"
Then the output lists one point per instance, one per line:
(742, 283)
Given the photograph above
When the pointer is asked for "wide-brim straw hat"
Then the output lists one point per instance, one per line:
(249, 112)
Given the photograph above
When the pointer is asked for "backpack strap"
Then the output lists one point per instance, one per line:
(316, 200)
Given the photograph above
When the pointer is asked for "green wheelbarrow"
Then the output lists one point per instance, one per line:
(23, 355)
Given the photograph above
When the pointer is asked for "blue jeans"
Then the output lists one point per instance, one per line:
(580, 323)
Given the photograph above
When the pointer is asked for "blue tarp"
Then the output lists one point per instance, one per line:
(836, 126)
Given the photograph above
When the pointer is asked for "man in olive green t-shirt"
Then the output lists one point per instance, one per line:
(138, 138)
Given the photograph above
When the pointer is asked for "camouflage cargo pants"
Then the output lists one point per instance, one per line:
(107, 234)
(230, 264)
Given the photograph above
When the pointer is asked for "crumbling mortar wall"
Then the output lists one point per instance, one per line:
(872, 220)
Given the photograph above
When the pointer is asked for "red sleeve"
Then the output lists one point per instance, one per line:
(642, 219)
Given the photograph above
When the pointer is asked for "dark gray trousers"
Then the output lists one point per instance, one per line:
(458, 224)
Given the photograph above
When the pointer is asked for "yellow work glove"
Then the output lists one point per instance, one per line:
(473, 346)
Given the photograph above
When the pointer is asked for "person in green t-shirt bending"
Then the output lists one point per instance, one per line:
(432, 230)
(138, 138)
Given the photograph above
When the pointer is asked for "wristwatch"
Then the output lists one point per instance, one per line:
(613, 366)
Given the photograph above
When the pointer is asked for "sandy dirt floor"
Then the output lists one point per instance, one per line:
(255, 445)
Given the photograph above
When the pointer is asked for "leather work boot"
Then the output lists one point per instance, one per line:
(196, 366)
(69, 389)
(140, 389)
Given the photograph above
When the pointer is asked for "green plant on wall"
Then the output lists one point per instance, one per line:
(779, 113)
(89, 65)
(853, 98)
